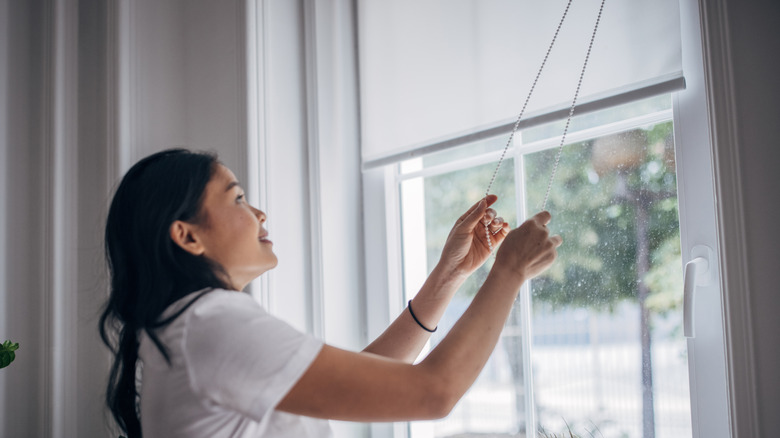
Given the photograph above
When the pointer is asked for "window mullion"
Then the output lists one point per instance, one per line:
(524, 299)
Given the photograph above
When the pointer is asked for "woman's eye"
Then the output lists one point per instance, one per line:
(240, 198)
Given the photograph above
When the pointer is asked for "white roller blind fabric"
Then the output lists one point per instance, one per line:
(431, 68)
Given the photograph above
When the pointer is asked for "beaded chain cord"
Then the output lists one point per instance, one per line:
(525, 104)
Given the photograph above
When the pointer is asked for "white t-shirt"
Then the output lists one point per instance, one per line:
(231, 364)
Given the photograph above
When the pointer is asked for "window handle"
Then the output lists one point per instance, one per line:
(697, 273)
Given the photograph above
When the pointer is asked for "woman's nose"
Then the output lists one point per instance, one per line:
(259, 214)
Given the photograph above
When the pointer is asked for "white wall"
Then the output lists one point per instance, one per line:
(95, 179)
(184, 76)
(89, 87)
(22, 386)
(754, 41)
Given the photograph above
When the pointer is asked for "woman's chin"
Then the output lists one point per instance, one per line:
(268, 264)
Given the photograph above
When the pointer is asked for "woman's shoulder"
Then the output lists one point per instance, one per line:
(212, 301)
(225, 306)
(225, 298)
(215, 296)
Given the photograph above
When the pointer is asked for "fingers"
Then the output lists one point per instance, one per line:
(543, 217)
(529, 249)
(490, 200)
(497, 230)
(500, 233)
(495, 225)
(472, 215)
(488, 217)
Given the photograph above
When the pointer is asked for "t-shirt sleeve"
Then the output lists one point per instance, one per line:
(241, 357)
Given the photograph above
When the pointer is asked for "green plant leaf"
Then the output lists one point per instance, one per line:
(7, 354)
(9, 346)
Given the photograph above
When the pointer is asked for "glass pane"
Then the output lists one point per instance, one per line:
(608, 354)
(430, 206)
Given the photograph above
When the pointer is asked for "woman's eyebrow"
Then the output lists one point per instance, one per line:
(231, 185)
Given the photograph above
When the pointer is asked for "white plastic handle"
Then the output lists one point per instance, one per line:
(696, 274)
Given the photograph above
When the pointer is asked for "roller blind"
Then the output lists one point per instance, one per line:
(432, 68)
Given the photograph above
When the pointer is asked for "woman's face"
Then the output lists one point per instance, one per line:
(232, 232)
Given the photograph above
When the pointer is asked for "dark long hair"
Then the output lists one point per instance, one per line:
(148, 270)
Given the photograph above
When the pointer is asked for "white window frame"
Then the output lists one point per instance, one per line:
(713, 378)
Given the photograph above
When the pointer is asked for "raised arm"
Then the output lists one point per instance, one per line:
(466, 250)
(366, 387)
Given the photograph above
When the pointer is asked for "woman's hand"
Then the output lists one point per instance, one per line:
(467, 248)
(529, 249)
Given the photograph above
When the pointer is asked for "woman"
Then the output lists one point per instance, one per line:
(181, 240)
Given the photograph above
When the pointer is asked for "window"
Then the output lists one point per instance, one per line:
(403, 171)
(598, 337)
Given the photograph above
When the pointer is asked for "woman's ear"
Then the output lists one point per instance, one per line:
(183, 234)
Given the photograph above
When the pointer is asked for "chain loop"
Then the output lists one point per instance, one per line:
(573, 104)
(522, 111)
(525, 104)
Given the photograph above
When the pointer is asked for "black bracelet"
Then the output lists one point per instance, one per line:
(418, 321)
